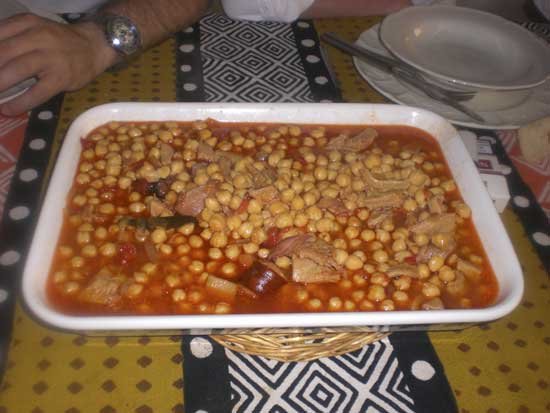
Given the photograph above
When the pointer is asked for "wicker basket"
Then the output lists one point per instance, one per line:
(285, 346)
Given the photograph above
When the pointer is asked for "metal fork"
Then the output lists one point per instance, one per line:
(388, 64)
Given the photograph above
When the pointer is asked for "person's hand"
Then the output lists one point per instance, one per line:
(61, 57)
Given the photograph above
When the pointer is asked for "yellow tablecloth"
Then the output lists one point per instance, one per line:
(499, 367)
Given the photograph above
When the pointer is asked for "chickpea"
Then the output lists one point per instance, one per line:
(399, 245)
(400, 296)
(159, 236)
(218, 239)
(463, 210)
(196, 267)
(314, 304)
(283, 262)
(89, 251)
(376, 293)
(430, 290)
(368, 235)
(335, 304)
(446, 274)
(324, 225)
(387, 305)
(229, 269)
(195, 241)
(421, 239)
(380, 256)
(232, 251)
(442, 240)
(382, 235)
(71, 287)
(353, 262)
(435, 263)
(448, 186)
(108, 249)
(410, 205)
(351, 232)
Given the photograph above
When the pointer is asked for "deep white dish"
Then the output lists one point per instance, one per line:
(467, 47)
(535, 106)
(490, 229)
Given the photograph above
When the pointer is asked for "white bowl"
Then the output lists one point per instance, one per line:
(490, 229)
(467, 47)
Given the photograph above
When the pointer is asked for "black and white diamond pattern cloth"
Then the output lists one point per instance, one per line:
(251, 62)
(400, 374)
(363, 381)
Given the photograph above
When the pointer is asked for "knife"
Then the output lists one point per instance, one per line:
(399, 70)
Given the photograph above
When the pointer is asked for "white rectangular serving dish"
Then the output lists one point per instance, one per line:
(490, 229)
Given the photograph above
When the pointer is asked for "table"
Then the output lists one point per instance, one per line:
(496, 367)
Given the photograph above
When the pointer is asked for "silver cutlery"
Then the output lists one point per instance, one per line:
(407, 74)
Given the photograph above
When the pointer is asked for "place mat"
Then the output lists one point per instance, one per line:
(397, 374)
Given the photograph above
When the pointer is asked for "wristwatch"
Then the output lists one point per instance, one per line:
(121, 33)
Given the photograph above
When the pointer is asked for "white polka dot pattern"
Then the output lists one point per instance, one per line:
(37, 144)
(321, 80)
(28, 175)
(9, 258)
(187, 48)
(3, 296)
(422, 370)
(521, 201)
(308, 43)
(542, 239)
(201, 348)
(19, 212)
(45, 115)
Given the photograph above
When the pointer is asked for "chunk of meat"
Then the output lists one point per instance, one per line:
(436, 205)
(192, 202)
(313, 262)
(166, 153)
(402, 269)
(429, 251)
(262, 178)
(334, 205)
(318, 251)
(383, 185)
(224, 289)
(289, 245)
(356, 143)
(458, 286)
(104, 289)
(265, 194)
(435, 224)
(390, 200)
(264, 277)
(377, 217)
(226, 160)
(205, 152)
(305, 270)
(469, 269)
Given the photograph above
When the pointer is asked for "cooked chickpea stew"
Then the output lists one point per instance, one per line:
(215, 218)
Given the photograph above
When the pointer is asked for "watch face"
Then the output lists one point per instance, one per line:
(123, 34)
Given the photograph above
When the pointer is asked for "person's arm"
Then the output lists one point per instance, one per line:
(350, 8)
(67, 57)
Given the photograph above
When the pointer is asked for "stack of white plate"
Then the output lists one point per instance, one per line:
(506, 65)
